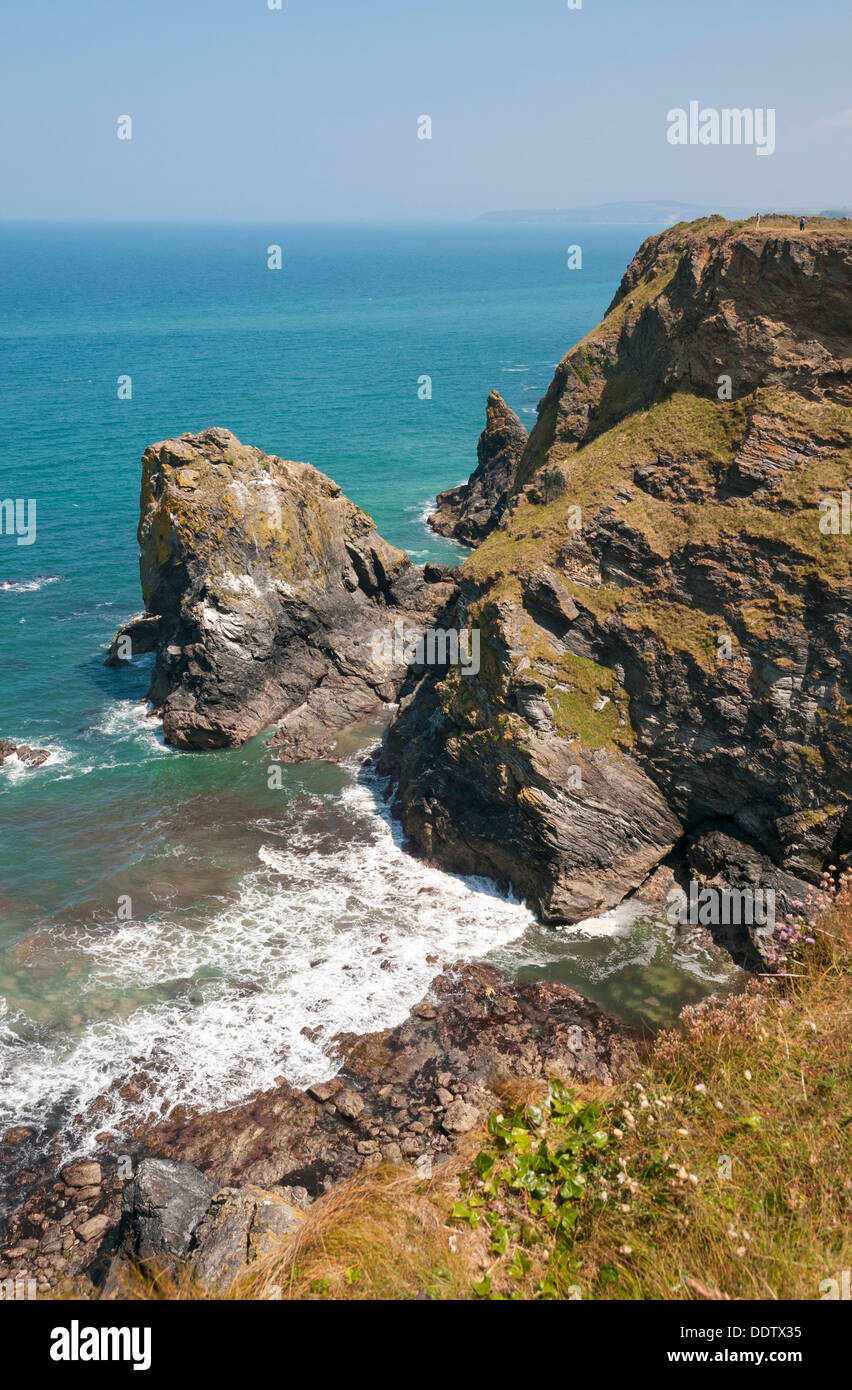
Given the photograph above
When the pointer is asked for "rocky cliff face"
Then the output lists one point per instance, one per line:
(264, 588)
(665, 611)
(471, 511)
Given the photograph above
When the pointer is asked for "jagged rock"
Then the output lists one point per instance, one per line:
(161, 1208)
(135, 638)
(240, 1226)
(264, 590)
(666, 634)
(30, 757)
(724, 861)
(471, 511)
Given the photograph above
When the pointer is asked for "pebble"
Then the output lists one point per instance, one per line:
(82, 1175)
(349, 1104)
(460, 1118)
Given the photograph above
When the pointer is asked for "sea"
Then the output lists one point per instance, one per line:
(170, 912)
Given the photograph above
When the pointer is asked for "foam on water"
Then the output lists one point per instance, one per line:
(326, 936)
(28, 586)
(13, 770)
(127, 722)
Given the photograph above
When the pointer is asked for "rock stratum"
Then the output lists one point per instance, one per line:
(665, 610)
(661, 592)
(264, 588)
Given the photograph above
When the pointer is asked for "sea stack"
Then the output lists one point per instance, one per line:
(264, 591)
(471, 511)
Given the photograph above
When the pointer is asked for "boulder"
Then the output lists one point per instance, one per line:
(240, 1226)
(161, 1207)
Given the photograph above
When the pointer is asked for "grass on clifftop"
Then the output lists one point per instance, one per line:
(721, 1170)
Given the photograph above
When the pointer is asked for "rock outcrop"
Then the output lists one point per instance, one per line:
(28, 757)
(266, 587)
(210, 1192)
(471, 511)
(174, 1219)
(665, 608)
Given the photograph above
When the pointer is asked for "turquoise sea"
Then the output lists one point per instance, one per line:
(164, 913)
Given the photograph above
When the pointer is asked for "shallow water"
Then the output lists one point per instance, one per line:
(260, 922)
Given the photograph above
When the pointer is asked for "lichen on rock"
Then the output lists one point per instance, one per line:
(266, 587)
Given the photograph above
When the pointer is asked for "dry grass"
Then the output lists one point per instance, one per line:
(383, 1235)
(723, 1170)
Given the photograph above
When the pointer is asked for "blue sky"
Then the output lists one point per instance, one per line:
(310, 113)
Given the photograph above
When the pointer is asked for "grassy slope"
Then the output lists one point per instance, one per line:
(723, 1169)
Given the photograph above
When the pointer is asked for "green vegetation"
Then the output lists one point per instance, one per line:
(582, 685)
(720, 1169)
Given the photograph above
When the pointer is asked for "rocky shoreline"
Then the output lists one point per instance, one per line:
(662, 699)
(185, 1189)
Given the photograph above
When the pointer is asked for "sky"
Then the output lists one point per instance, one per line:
(310, 113)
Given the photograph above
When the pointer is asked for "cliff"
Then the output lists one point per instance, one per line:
(664, 610)
(264, 588)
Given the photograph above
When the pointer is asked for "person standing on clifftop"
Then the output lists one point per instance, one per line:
(801, 224)
(757, 220)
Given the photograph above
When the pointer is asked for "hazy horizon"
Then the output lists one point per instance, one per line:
(245, 114)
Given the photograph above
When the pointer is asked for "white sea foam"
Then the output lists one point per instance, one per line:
(28, 586)
(127, 722)
(425, 509)
(327, 935)
(14, 770)
(638, 934)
